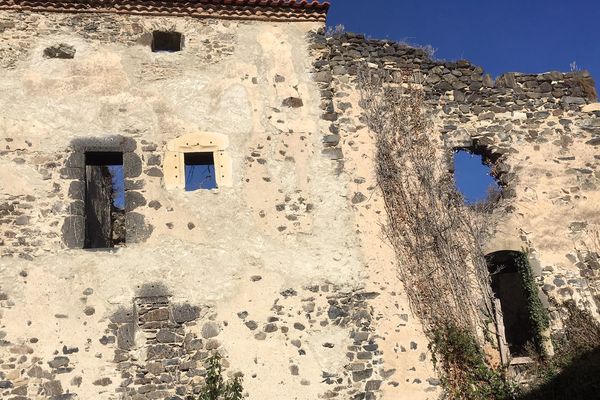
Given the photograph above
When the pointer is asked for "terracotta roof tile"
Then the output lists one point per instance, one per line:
(271, 10)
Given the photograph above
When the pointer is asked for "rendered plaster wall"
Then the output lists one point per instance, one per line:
(541, 130)
(275, 271)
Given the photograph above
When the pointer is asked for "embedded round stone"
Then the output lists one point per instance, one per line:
(210, 330)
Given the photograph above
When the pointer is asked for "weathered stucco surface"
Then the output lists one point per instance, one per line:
(274, 262)
(286, 270)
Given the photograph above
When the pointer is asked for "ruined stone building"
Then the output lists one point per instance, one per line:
(183, 177)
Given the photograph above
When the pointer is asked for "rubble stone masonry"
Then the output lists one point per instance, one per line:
(286, 271)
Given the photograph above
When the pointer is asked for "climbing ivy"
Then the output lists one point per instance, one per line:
(538, 315)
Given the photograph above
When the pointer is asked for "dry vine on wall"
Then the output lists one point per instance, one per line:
(437, 239)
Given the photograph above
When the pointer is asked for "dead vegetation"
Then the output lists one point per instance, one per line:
(437, 239)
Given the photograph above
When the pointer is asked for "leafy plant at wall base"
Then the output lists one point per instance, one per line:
(216, 388)
(574, 370)
(467, 376)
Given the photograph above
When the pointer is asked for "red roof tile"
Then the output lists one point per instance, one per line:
(271, 10)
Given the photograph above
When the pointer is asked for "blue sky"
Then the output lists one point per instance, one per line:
(529, 36)
(501, 36)
(472, 177)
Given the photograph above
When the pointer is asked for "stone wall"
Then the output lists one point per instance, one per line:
(286, 271)
(539, 132)
(271, 270)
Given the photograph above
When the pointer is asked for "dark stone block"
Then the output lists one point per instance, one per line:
(6, 384)
(136, 228)
(573, 100)
(335, 312)
(62, 50)
(161, 314)
(358, 376)
(133, 200)
(77, 190)
(292, 102)
(77, 208)
(110, 143)
(126, 337)
(73, 231)
(153, 159)
(358, 198)
(333, 153)
(160, 351)
(72, 173)
(123, 315)
(324, 76)
(75, 160)
(132, 165)
(134, 184)
(156, 172)
(185, 313)
(331, 140)
(59, 361)
(102, 382)
(167, 336)
(333, 116)
(65, 396)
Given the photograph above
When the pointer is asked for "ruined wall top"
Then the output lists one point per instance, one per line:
(466, 82)
(269, 10)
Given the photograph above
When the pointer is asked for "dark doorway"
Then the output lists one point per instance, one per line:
(199, 171)
(507, 286)
(166, 41)
(104, 200)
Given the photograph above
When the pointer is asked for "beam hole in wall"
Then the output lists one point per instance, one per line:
(166, 41)
(199, 171)
(104, 200)
(474, 177)
(509, 292)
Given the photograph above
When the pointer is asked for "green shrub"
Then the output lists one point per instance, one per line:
(216, 388)
(466, 374)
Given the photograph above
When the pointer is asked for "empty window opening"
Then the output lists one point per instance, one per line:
(508, 289)
(199, 171)
(104, 200)
(474, 178)
(166, 41)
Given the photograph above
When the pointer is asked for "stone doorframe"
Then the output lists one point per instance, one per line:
(73, 229)
(201, 142)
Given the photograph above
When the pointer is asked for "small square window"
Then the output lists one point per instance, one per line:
(199, 171)
(166, 41)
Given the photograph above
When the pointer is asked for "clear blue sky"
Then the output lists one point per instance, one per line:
(472, 177)
(501, 36)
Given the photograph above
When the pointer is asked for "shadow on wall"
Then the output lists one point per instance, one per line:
(579, 380)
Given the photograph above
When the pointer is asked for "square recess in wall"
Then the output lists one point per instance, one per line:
(199, 171)
(166, 41)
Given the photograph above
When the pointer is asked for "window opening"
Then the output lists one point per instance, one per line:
(199, 171)
(473, 177)
(507, 286)
(104, 200)
(166, 41)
